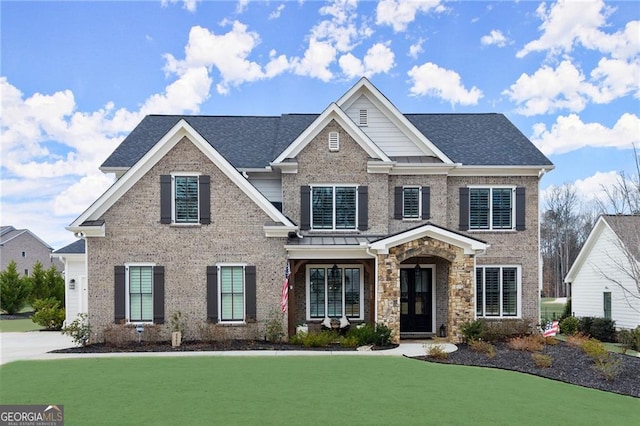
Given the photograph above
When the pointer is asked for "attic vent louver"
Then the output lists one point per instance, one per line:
(334, 141)
(364, 117)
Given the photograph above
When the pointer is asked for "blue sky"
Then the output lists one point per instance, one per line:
(76, 77)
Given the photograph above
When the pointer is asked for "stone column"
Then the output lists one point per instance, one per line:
(389, 294)
(461, 294)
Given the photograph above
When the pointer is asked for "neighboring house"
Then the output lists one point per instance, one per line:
(25, 248)
(75, 278)
(605, 276)
(413, 220)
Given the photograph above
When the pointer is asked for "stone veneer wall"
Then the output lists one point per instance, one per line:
(236, 235)
(460, 291)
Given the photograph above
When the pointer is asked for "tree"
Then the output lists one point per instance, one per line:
(623, 197)
(15, 290)
(39, 287)
(55, 284)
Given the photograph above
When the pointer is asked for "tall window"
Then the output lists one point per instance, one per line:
(231, 293)
(491, 208)
(411, 202)
(140, 293)
(607, 304)
(186, 199)
(334, 291)
(333, 207)
(497, 291)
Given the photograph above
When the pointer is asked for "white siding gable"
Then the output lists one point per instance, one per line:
(589, 283)
(269, 184)
(383, 132)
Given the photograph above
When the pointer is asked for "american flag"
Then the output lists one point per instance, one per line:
(551, 329)
(285, 288)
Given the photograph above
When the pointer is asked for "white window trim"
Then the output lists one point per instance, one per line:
(518, 286)
(127, 302)
(433, 289)
(419, 217)
(328, 268)
(513, 208)
(333, 213)
(244, 293)
(173, 198)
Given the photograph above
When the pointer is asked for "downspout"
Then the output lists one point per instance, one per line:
(375, 285)
(540, 266)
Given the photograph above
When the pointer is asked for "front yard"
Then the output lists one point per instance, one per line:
(301, 390)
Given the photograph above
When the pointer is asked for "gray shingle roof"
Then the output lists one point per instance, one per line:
(76, 247)
(627, 228)
(254, 142)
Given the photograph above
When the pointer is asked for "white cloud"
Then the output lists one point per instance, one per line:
(378, 59)
(276, 13)
(189, 5)
(568, 23)
(242, 6)
(430, 80)
(615, 78)
(77, 197)
(399, 14)
(316, 61)
(569, 133)
(495, 37)
(416, 48)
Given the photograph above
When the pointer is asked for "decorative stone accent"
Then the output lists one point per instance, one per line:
(460, 291)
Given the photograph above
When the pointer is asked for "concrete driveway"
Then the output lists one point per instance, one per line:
(31, 345)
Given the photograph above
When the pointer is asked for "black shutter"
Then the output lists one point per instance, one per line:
(426, 202)
(397, 202)
(119, 293)
(464, 209)
(520, 208)
(305, 207)
(363, 208)
(158, 294)
(212, 294)
(250, 292)
(205, 199)
(165, 199)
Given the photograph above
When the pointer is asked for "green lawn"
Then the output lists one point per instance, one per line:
(18, 325)
(548, 308)
(305, 390)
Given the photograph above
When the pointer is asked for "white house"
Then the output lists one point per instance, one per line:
(605, 277)
(75, 278)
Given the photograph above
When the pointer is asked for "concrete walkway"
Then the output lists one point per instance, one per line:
(34, 345)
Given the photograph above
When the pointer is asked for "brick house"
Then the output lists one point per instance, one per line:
(25, 248)
(414, 220)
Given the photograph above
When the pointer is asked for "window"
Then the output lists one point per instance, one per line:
(491, 208)
(24, 254)
(231, 293)
(333, 207)
(498, 291)
(334, 291)
(411, 202)
(140, 293)
(607, 304)
(185, 199)
(334, 141)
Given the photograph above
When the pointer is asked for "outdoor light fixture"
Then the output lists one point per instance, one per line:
(72, 284)
(417, 269)
(334, 270)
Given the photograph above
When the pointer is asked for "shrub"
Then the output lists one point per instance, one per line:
(569, 325)
(577, 340)
(152, 333)
(608, 367)
(500, 331)
(626, 339)
(483, 347)
(527, 343)
(566, 313)
(210, 332)
(471, 330)
(315, 339)
(383, 335)
(119, 334)
(48, 313)
(436, 352)
(349, 342)
(15, 290)
(274, 327)
(550, 340)
(79, 330)
(370, 335)
(602, 329)
(177, 323)
(542, 360)
(595, 349)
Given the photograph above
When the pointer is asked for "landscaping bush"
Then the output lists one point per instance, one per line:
(577, 340)
(471, 330)
(79, 330)
(483, 347)
(566, 313)
(495, 331)
(569, 325)
(595, 349)
(527, 343)
(349, 342)
(436, 352)
(315, 339)
(541, 360)
(119, 334)
(629, 340)
(380, 335)
(49, 313)
(14, 290)
(274, 327)
(599, 328)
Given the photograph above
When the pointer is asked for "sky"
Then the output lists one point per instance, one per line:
(77, 77)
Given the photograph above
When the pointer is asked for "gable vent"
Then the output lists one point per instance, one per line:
(364, 117)
(334, 141)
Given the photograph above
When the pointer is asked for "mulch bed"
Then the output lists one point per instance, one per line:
(570, 365)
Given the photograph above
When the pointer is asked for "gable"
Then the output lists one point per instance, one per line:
(179, 132)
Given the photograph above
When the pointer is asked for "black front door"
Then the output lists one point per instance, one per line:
(416, 307)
